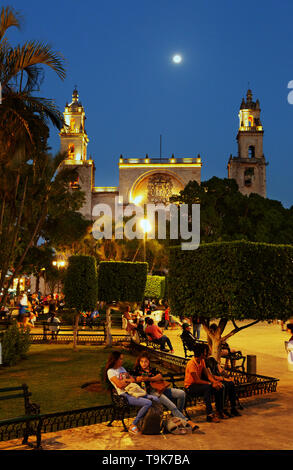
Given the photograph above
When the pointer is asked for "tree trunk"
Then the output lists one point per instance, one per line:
(108, 327)
(75, 331)
(37, 288)
(216, 348)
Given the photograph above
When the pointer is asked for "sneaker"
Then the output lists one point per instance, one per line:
(227, 413)
(235, 412)
(212, 419)
(134, 430)
(222, 415)
(193, 426)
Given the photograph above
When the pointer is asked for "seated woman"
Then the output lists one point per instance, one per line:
(157, 336)
(148, 376)
(120, 378)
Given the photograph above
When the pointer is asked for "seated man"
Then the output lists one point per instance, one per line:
(221, 375)
(187, 336)
(157, 336)
(199, 381)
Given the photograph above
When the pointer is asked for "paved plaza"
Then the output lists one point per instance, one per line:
(265, 424)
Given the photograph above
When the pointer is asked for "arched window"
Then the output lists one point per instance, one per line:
(71, 151)
(250, 121)
(251, 151)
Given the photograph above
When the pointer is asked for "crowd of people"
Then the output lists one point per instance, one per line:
(203, 377)
(30, 307)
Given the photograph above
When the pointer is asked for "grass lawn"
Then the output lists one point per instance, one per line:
(55, 375)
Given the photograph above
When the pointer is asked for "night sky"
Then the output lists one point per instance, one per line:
(118, 53)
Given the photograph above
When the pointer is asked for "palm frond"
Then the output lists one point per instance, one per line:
(32, 53)
(8, 18)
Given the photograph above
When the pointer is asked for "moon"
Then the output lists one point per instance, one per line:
(177, 59)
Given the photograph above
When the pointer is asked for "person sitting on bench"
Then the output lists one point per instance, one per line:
(152, 381)
(120, 378)
(199, 381)
(221, 375)
(157, 336)
(187, 336)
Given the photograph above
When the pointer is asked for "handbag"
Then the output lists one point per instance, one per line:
(160, 385)
(135, 390)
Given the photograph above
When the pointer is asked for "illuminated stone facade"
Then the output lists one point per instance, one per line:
(141, 180)
(154, 180)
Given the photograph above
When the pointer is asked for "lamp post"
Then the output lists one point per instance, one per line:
(146, 227)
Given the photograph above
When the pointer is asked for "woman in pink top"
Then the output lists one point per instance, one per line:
(157, 336)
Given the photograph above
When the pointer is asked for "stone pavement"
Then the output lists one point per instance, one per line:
(265, 424)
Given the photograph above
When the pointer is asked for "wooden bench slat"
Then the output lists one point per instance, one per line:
(10, 389)
(18, 395)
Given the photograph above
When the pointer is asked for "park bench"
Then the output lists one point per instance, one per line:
(28, 423)
(232, 357)
(246, 385)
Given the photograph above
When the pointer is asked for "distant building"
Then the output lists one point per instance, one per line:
(249, 167)
(154, 180)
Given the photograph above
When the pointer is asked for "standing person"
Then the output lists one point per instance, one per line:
(157, 336)
(167, 317)
(148, 376)
(120, 378)
(196, 324)
(22, 318)
(199, 381)
(289, 347)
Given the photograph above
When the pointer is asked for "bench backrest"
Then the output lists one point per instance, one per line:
(7, 394)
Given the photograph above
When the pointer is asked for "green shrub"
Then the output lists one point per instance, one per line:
(15, 344)
(121, 281)
(80, 284)
(232, 280)
(155, 287)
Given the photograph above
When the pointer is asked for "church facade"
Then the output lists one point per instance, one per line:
(154, 180)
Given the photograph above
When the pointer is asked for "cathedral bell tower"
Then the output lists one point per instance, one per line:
(74, 140)
(249, 167)
(73, 136)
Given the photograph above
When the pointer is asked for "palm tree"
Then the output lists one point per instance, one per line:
(21, 73)
(25, 166)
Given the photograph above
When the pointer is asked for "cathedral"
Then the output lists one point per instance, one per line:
(154, 180)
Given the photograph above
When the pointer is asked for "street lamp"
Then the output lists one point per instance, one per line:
(59, 264)
(146, 227)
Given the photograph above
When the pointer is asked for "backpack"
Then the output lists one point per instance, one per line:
(176, 425)
(152, 422)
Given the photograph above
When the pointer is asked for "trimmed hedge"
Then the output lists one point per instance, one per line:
(80, 284)
(232, 280)
(155, 287)
(122, 281)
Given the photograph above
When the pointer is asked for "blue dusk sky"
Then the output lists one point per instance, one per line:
(118, 53)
